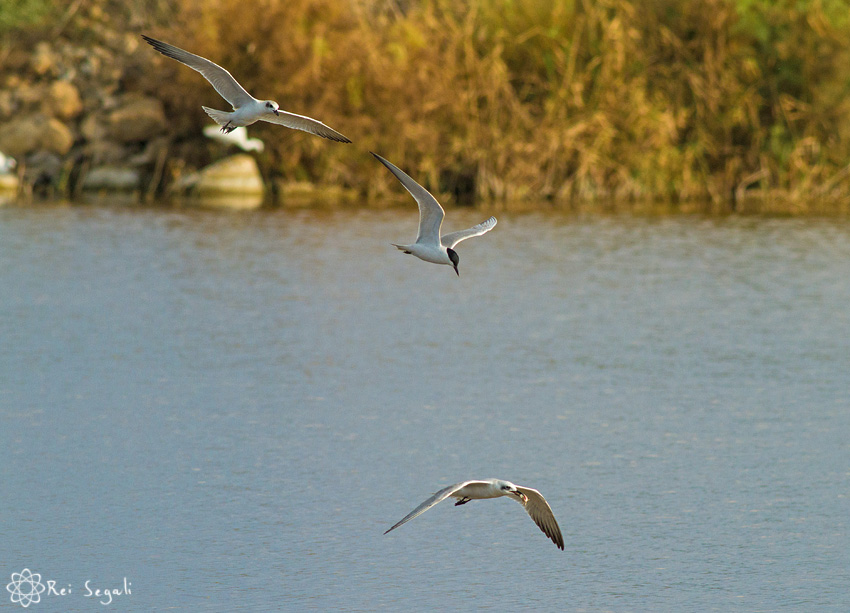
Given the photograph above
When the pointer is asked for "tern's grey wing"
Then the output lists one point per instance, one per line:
(433, 500)
(430, 212)
(300, 122)
(541, 513)
(450, 240)
(219, 78)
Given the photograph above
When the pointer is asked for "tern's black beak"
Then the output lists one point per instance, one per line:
(276, 112)
(453, 258)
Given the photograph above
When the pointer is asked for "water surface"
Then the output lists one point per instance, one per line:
(229, 410)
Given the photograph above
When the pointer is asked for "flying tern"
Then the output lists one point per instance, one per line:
(246, 108)
(532, 500)
(429, 245)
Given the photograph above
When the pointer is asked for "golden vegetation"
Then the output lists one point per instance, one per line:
(673, 100)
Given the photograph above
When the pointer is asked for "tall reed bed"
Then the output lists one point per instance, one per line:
(715, 100)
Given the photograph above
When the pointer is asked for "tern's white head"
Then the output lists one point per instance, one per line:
(509, 489)
(271, 106)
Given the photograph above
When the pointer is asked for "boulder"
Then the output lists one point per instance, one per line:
(20, 137)
(7, 103)
(137, 118)
(29, 94)
(93, 127)
(35, 133)
(113, 178)
(44, 59)
(233, 182)
(63, 100)
(237, 174)
(105, 151)
(56, 137)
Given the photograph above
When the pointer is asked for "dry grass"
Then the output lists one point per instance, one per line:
(723, 101)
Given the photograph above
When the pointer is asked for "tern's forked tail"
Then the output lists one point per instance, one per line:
(222, 118)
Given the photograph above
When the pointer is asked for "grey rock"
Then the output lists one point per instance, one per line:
(137, 118)
(114, 178)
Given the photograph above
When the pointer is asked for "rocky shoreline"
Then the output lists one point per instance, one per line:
(68, 117)
(76, 121)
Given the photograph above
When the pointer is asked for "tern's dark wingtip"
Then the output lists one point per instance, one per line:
(334, 136)
(383, 161)
(157, 44)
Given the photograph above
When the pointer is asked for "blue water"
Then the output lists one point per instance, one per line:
(228, 410)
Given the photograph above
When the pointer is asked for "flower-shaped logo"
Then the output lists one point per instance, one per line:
(26, 587)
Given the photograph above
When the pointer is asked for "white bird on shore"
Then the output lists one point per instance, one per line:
(7, 163)
(237, 136)
(429, 245)
(532, 500)
(246, 108)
